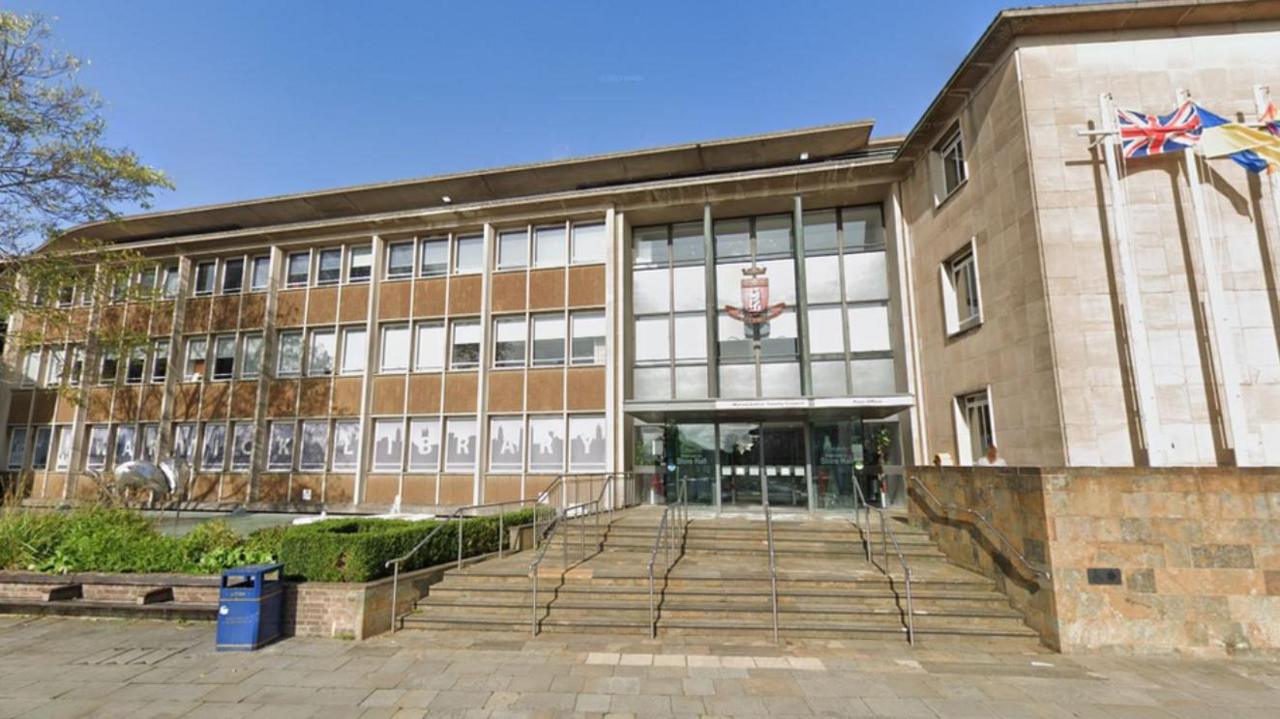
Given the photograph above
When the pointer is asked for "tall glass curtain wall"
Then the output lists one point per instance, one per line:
(846, 287)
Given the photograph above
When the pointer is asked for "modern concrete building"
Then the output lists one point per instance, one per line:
(762, 314)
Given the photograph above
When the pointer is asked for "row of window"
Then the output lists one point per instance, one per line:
(543, 444)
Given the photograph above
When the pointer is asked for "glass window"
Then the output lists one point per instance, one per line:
(509, 338)
(976, 429)
(395, 348)
(963, 271)
(687, 243)
(169, 286)
(298, 269)
(506, 444)
(136, 367)
(57, 362)
(546, 444)
(651, 382)
(251, 356)
(430, 347)
(241, 445)
(400, 260)
(329, 266)
(548, 340)
(205, 278)
(650, 245)
(224, 357)
(468, 255)
(773, 235)
(97, 452)
(17, 448)
(388, 445)
(146, 283)
(460, 448)
(346, 443)
(873, 377)
(435, 258)
(360, 263)
(822, 278)
(261, 278)
(820, 232)
(184, 442)
(737, 381)
(232, 276)
(215, 447)
(548, 246)
(150, 442)
(355, 349)
(586, 443)
(733, 239)
(869, 329)
(315, 445)
(280, 446)
(780, 379)
(513, 249)
(321, 352)
(691, 382)
(651, 291)
(865, 277)
(689, 288)
(424, 445)
(587, 345)
(289, 362)
(466, 345)
(863, 228)
(653, 339)
(66, 439)
(109, 369)
(784, 336)
(826, 335)
(66, 295)
(589, 244)
(31, 367)
(77, 364)
(160, 361)
(691, 337)
(951, 156)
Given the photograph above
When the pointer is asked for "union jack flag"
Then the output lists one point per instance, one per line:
(1142, 134)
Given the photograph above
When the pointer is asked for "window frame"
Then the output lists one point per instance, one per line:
(105, 378)
(603, 337)
(453, 344)
(292, 427)
(407, 273)
(346, 332)
(573, 243)
(550, 317)
(196, 291)
(309, 369)
(214, 374)
(417, 346)
(222, 276)
(537, 262)
(242, 363)
(962, 407)
(349, 263)
(383, 367)
(288, 262)
(141, 356)
(963, 261)
(523, 321)
(500, 263)
(159, 355)
(454, 267)
(253, 273)
(422, 255)
(949, 150)
(320, 254)
(280, 355)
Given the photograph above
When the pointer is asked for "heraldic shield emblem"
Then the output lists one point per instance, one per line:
(755, 307)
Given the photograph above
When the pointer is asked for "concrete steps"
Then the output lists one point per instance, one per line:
(721, 584)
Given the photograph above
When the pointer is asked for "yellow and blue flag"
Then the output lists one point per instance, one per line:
(1253, 149)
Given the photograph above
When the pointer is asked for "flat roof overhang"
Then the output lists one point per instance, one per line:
(768, 409)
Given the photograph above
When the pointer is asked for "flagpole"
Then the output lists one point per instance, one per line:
(1139, 349)
(1222, 342)
(1262, 98)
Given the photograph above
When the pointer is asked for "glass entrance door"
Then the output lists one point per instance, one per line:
(740, 465)
(763, 460)
(783, 458)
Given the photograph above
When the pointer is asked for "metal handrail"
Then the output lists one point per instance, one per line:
(665, 531)
(773, 565)
(887, 535)
(1030, 566)
(459, 516)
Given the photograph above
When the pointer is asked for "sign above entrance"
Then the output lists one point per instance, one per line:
(755, 307)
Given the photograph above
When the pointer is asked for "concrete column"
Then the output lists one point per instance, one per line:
(482, 377)
(713, 311)
(370, 368)
(266, 373)
(802, 300)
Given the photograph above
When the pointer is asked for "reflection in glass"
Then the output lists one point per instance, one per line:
(546, 444)
(424, 445)
(506, 444)
(586, 443)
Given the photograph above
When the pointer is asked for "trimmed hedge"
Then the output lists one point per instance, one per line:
(356, 549)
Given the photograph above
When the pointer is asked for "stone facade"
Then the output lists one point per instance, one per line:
(1197, 550)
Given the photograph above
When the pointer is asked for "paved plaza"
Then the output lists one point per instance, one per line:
(53, 667)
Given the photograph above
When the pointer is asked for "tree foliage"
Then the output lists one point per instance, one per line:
(56, 170)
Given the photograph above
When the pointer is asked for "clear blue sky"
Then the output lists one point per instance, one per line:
(237, 100)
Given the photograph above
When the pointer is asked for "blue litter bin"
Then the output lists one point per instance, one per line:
(250, 606)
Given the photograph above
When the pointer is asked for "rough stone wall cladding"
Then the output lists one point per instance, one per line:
(1198, 550)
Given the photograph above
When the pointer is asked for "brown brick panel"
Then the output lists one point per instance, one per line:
(226, 313)
(546, 289)
(546, 390)
(388, 394)
(161, 318)
(460, 391)
(456, 489)
(204, 487)
(282, 398)
(149, 399)
(235, 487)
(195, 316)
(273, 487)
(509, 291)
(464, 295)
(289, 307)
(313, 482)
(244, 399)
(314, 398)
(501, 488)
(77, 325)
(253, 311)
(346, 396)
(53, 486)
(111, 318)
(506, 390)
(19, 406)
(428, 298)
(126, 407)
(381, 488)
(216, 401)
(138, 317)
(586, 388)
(424, 393)
(419, 490)
(186, 401)
(586, 286)
(66, 411)
(99, 404)
(46, 401)
(355, 304)
(393, 300)
(322, 309)
(339, 488)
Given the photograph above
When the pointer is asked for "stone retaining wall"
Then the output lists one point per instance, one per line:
(1197, 552)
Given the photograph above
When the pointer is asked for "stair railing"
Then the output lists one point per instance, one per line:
(617, 491)
(773, 565)
(458, 515)
(887, 536)
(673, 523)
(948, 509)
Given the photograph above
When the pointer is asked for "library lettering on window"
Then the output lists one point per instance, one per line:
(772, 318)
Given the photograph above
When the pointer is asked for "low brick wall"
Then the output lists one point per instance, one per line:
(1197, 552)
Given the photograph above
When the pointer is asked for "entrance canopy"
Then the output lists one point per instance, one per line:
(783, 408)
